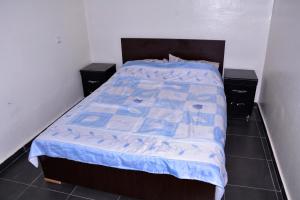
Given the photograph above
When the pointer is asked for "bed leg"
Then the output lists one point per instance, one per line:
(49, 180)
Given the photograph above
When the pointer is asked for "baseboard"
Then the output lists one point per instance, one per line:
(25, 148)
(14, 157)
(278, 170)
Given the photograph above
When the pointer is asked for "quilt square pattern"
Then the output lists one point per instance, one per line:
(122, 123)
(125, 82)
(143, 93)
(170, 104)
(202, 97)
(158, 126)
(172, 95)
(111, 99)
(133, 111)
(166, 114)
(175, 86)
(92, 119)
(198, 119)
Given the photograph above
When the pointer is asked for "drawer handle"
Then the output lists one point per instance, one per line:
(240, 91)
(92, 82)
(237, 104)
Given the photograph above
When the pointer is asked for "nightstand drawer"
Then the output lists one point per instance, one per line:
(239, 108)
(91, 81)
(92, 85)
(240, 92)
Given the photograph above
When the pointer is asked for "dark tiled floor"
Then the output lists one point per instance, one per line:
(251, 172)
(249, 164)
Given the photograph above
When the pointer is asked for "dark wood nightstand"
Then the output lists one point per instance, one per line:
(94, 75)
(240, 86)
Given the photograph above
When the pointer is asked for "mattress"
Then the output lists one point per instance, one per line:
(163, 118)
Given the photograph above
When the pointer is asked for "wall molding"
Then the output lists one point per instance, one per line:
(278, 168)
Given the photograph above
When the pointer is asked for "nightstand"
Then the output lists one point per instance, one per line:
(94, 75)
(240, 87)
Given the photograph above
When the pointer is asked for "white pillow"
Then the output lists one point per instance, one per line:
(173, 58)
(156, 60)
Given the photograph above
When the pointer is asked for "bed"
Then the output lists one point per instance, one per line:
(153, 131)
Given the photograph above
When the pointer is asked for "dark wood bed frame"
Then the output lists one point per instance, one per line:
(132, 183)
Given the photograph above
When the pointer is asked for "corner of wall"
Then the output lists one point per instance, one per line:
(274, 151)
(91, 57)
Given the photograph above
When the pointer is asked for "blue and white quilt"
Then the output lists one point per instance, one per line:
(164, 118)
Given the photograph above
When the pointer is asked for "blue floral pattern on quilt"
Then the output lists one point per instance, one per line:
(159, 119)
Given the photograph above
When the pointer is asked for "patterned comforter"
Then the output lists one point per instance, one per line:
(164, 118)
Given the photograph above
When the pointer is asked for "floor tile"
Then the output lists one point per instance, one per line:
(242, 127)
(251, 118)
(10, 190)
(77, 198)
(250, 147)
(238, 193)
(64, 187)
(274, 175)
(127, 198)
(279, 196)
(261, 129)
(255, 114)
(249, 172)
(34, 193)
(21, 171)
(94, 194)
(11, 159)
(266, 149)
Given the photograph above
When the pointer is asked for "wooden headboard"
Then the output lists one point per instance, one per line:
(189, 49)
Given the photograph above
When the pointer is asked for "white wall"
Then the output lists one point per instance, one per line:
(244, 24)
(280, 96)
(39, 78)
